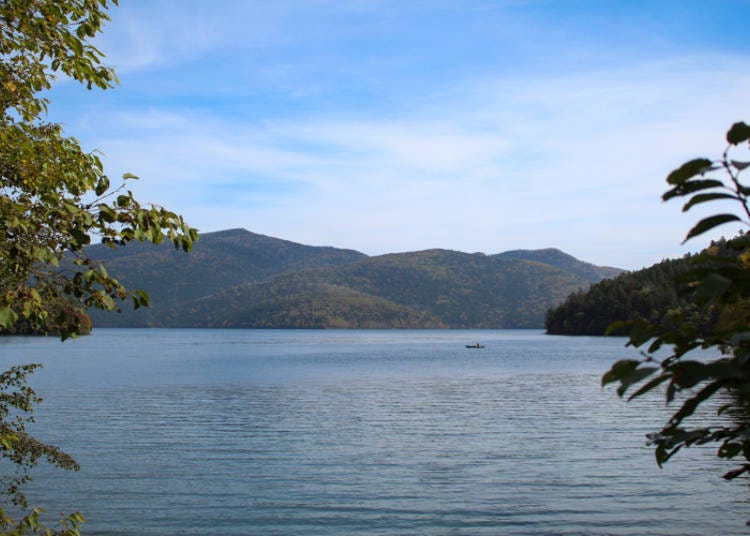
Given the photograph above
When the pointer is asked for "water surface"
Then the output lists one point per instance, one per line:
(360, 432)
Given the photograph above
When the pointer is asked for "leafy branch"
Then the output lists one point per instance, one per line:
(718, 280)
(47, 217)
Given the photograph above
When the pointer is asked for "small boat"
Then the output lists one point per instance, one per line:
(477, 345)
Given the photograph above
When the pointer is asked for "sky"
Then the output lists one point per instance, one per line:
(388, 125)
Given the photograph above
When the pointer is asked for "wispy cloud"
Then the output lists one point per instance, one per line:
(403, 149)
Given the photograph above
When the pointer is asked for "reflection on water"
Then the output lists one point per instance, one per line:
(361, 432)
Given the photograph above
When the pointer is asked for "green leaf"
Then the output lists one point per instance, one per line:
(641, 331)
(619, 370)
(650, 385)
(129, 176)
(635, 377)
(106, 214)
(7, 440)
(690, 405)
(655, 345)
(8, 317)
(690, 187)
(724, 408)
(689, 373)
(709, 223)
(663, 454)
(101, 186)
(688, 170)
(107, 302)
(672, 439)
(736, 472)
(702, 198)
(740, 165)
(738, 133)
(140, 299)
(80, 238)
(729, 450)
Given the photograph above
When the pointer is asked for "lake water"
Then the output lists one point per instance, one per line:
(188, 432)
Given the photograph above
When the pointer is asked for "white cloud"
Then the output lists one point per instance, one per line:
(499, 159)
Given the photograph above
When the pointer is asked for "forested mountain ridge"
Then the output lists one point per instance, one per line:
(249, 280)
(218, 261)
(555, 257)
(648, 293)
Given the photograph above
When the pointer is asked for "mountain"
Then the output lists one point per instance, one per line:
(219, 260)
(241, 279)
(649, 294)
(555, 257)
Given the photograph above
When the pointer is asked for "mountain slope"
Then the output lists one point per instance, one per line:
(219, 260)
(648, 293)
(240, 279)
(433, 288)
(555, 257)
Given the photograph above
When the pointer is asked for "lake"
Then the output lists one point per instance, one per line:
(263, 432)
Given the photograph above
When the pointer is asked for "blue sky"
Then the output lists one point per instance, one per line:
(388, 126)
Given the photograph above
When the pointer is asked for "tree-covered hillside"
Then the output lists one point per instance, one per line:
(240, 279)
(218, 261)
(560, 259)
(648, 294)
